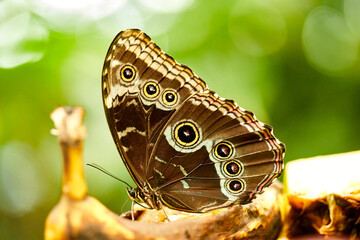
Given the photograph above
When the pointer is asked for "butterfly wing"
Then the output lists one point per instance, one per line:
(195, 150)
(142, 88)
(230, 158)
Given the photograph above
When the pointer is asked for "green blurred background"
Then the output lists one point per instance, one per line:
(294, 63)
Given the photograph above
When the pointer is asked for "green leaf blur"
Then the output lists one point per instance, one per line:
(295, 64)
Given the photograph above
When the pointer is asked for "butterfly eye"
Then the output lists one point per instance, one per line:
(151, 90)
(223, 150)
(132, 193)
(169, 97)
(127, 73)
(232, 168)
(186, 134)
(235, 186)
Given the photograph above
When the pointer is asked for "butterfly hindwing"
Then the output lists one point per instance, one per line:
(195, 176)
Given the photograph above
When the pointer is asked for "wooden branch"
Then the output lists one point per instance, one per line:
(79, 216)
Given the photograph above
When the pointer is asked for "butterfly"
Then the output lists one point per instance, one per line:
(185, 147)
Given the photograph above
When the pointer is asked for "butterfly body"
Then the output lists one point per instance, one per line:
(185, 147)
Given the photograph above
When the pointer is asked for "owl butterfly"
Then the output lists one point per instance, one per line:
(185, 147)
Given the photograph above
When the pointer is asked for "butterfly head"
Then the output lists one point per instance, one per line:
(132, 193)
(142, 196)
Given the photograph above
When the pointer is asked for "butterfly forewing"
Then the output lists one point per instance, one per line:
(136, 110)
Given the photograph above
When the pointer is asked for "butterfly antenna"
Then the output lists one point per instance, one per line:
(107, 173)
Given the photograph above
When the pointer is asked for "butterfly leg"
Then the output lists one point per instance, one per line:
(163, 209)
(132, 210)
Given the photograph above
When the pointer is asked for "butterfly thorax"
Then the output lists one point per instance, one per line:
(144, 195)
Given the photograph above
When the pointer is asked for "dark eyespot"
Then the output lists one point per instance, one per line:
(127, 73)
(169, 97)
(232, 168)
(151, 90)
(223, 150)
(235, 186)
(186, 134)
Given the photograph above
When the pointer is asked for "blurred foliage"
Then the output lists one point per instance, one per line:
(294, 63)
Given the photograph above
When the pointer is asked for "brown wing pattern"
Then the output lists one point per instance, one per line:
(180, 141)
(192, 178)
(134, 119)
